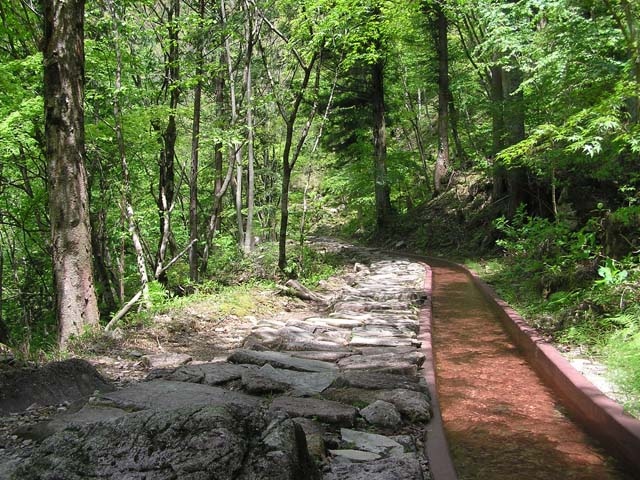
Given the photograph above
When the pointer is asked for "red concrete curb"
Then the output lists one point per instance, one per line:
(603, 418)
(436, 446)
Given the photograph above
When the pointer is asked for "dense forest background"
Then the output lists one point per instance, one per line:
(218, 130)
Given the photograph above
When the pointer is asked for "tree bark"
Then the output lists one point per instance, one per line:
(4, 331)
(76, 303)
(382, 190)
(195, 151)
(442, 160)
(515, 119)
(166, 184)
(248, 234)
(497, 132)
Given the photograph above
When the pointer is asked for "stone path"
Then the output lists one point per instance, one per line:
(339, 395)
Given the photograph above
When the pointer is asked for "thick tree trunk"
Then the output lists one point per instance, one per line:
(442, 160)
(497, 132)
(166, 183)
(514, 115)
(381, 182)
(76, 303)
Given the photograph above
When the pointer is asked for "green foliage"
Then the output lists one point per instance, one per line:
(622, 353)
(547, 253)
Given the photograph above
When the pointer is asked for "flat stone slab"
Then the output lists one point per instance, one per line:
(322, 410)
(166, 360)
(205, 373)
(376, 341)
(322, 355)
(378, 381)
(372, 442)
(280, 360)
(302, 383)
(406, 468)
(355, 455)
(167, 395)
(335, 322)
(55, 383)
(255, 383)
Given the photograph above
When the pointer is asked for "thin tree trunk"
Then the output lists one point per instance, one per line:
(289, 159)
(127, 206)
(237, 146)
(248, 235)
(195, 150)
(442, 160)
(166, 184)
(461, 155)
(4, 331)
(76, 302)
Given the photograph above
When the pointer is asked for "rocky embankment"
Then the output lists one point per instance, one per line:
(336, 396)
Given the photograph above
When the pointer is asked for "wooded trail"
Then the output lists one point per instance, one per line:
(338, 395)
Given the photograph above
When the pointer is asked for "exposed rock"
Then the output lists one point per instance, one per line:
(381, 414)
(387, 363)
(280, 360)
(206, 373)
(166, 360)
(324, 356)
(256, 383)
(406, 468)
(377, 341)
(355, 455)
(86, 415)
(281, 454)
(187, 443)
(377, 381)
(314, 433)
(412, 405)
(166, 395)
(322, 410)
(53, 384)
(302, 383)
(372, 442)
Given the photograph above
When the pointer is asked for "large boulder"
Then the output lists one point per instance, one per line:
(193, 443)
(55, 383)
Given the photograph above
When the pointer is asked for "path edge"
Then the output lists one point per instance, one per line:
(603, 418)
(436, 447)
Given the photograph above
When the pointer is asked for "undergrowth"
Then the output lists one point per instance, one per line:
(560, 280)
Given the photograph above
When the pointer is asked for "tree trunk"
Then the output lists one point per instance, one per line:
(166, 184)
(442, 160)
(515, 118)
(76, 303)
(382, 190)
(497, 132)
(284, 217)
(4, 331)
(195, 150)
(248, 234)
(127, 202)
